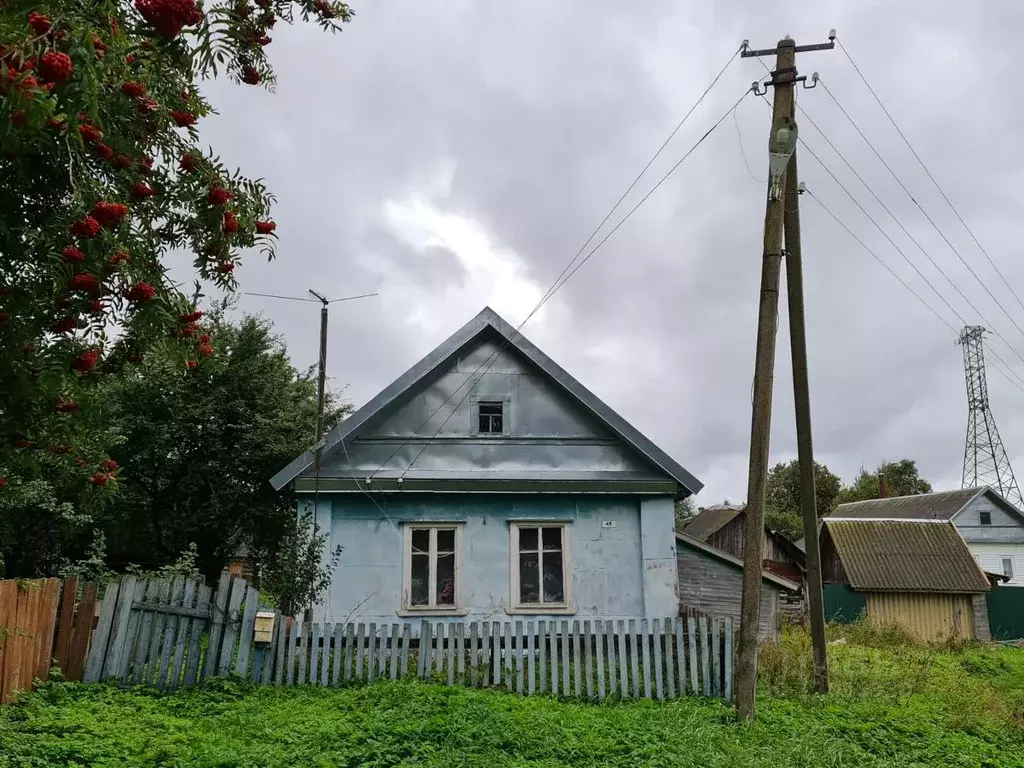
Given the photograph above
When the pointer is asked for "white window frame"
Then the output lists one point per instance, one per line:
(981, 520)
(515, 606)
(432, 609)
(1003, 560)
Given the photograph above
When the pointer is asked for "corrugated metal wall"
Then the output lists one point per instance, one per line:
(929, 617)
(1006, 612)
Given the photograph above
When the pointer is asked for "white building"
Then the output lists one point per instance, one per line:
(992, 527)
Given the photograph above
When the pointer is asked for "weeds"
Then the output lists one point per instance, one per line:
(892, 705)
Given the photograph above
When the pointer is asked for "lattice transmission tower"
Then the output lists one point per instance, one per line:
(985, 460)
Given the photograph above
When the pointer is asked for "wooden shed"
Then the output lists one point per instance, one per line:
(725, 526)
(711, 582)
(917, 574)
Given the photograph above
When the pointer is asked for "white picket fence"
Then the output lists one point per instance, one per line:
(177, 632)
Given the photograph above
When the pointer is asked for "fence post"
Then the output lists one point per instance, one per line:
(62, 647)
(98, 650)
(218, 618)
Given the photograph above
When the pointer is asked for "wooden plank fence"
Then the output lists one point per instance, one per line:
(176, 632)
(594, 659)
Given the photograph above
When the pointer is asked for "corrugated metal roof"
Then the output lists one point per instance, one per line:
(905, 556)
(709, 520)
(924, 506)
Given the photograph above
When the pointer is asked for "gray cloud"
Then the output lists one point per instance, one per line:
(529, 119)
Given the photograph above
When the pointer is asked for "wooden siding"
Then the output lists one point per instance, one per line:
(731, 538)
(711, 586)
(831, 567)
(928, 617)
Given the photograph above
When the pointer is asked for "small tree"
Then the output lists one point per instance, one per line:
(902, 478)
(685, 508)
(295, 572)
(782, 499)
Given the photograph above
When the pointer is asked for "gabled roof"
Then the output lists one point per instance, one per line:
(710, 520)
(905, 556)
(725, 557)
(489, 321)
(941, 505)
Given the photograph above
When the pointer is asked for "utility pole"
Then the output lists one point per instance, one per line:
(321, 394)
(322, 377)
(804, 444)
(781, 147)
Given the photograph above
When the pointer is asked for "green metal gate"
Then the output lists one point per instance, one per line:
(1005, 613)
(842, 604)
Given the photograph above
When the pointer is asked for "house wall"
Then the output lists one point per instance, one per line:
(431, 434)
(990, 557)
(623, 553)
(1004, 529)
(928, 617)
(712, 586)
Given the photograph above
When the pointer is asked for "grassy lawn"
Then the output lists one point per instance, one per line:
(891, 706)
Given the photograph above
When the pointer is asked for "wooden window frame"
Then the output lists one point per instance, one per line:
(506, 416)
(567, 606)
(984, 517)
(1003, 560)
(407, 609)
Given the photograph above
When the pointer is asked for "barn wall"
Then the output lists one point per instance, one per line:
(712, 586)
(928, 617)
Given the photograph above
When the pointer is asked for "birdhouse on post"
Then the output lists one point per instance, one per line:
(263, 632)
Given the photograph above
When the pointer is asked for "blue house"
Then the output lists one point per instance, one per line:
(487, 482)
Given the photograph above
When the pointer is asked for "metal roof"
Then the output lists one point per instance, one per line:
(710, 520)
(725, 557)
(489, 320)
(942, 505)
(905, 556)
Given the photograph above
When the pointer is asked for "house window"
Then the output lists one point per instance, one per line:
(985, 517)
(541, 573)
(432, 567)
(491, 417)
(1008, 567)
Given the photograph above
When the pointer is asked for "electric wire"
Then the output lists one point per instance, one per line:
(903, 228)
(906, 285)
(928, 172)
(912, 239)
(557, 285)
(921, 208)
(886, 235)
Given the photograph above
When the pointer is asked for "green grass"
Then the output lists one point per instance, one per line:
(892, 706)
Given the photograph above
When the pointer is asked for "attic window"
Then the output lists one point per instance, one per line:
(985, 517)
(490, 417)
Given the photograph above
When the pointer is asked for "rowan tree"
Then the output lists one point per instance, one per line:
(101, 175)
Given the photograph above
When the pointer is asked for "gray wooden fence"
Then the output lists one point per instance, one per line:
(175, 632)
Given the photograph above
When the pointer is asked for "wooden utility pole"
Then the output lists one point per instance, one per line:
(764, 378)
(804, 444)
(781, 148)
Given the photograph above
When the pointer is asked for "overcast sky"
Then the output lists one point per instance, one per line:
(456, 154)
